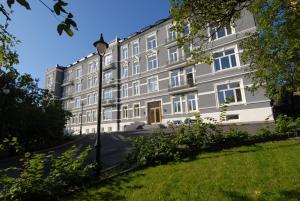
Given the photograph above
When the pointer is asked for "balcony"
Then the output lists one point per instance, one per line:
(67, 82)
(185, 85)
(109, 66)
(66, 96)
(170, 41)
(109, 102)
(109, 83)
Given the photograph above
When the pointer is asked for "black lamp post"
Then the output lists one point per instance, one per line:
(80, 133)
(101, 47)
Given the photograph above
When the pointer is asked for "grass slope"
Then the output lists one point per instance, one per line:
(269, 171)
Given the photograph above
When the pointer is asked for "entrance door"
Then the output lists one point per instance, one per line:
(154, 112)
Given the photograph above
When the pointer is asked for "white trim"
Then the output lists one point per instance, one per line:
(133, 104)
(148, 84)
(180, 99)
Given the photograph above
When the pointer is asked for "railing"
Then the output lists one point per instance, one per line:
(110, 65)
(179, 60)
(184, 83)
(107, 102)
(170, 39)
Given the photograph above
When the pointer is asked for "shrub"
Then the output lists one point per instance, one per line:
(287, 125)
(47, 177)
(235, 136)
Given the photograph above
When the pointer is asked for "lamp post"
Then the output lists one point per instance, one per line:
(80, 132)
(101, 47)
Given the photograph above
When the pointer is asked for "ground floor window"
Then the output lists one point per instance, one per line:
(136, 110)
(177, 104)
(107, 114)
(192, 102)
(125, 111)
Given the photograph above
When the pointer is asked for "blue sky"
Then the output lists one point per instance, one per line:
(41, 46)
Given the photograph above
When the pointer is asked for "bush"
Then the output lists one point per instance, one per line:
(287, 125)
(235, 136)
(46, 176)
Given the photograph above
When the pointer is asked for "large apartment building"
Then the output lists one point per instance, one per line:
(147, 78)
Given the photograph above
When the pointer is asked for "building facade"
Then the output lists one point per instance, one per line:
(147, 78)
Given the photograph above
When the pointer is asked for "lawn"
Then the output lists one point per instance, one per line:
(269, 171)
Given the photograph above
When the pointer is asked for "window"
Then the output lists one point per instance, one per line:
(173, 55)
(232, 117)
(78, 86)
(135, 48)
(229, 93)
(124, 90)
(92, 66)
(152, 62)
(175, 79)
(225, 59)
(125, 112)
(177, 104)
(186, 30)
(171, 34)
(221, 32)
(189, 76)
(95, 97)
(124, 71)
(152, 84)
(108, 59)
(136, 110)
(151, 42)
(90, 83)
(95, 81)
(88, 116)
(107, 114)
(66, 76)
(90, 99)
(135, 68)
(135, 88)
(77, 102)
(191, 102)
(107, 94)
(107, 76)
(94, 115)
(124, 53)
(78, 72)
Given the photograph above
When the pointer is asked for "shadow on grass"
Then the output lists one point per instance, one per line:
(110, 190)
(283, 195)
(238, 150)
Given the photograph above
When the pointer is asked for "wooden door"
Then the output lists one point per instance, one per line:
(154, 112)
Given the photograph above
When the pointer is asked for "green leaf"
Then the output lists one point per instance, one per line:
(24, 3)
(56, 8)
(70, 15)
(68, 31)
(60, 28)
(10, 3)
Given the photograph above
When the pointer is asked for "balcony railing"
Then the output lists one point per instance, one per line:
(67, 82)
(170, 39)
(108, 102)
(66, 96)
(173, 62)
(183, 84)
(109, 66)
(108, 83)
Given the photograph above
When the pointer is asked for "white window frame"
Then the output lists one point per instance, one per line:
(122, 90)
(187, 102)
(154, 77)
(139, 88)
(78, 72)
(237, 58)
(169, 28)
(95, 97)
(90, 82)
(133, 48)
(108, 59)
(171, 78)
(123, 112)
(149, 36)
(123, 70)
(77, 104)
(139, 68)
(218, 38)
(169, 55)
(172, 102)
(108, 92)
(124, 56)
(108, 76)
(110, 116)
(133, 110)
(89, 116)
(242, 88)
(155, 55)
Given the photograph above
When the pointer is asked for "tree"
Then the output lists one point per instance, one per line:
(272, 51)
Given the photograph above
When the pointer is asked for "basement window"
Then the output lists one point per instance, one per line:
(232, 117)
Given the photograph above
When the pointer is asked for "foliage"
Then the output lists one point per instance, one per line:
(46, 176)
(285, 124)
(272, 51)
(30, 113)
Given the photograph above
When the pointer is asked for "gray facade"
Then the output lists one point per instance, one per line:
(147, 78)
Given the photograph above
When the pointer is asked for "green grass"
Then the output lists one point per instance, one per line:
(269, 171)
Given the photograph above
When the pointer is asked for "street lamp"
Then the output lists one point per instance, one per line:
(101, 47)
(80, 132)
